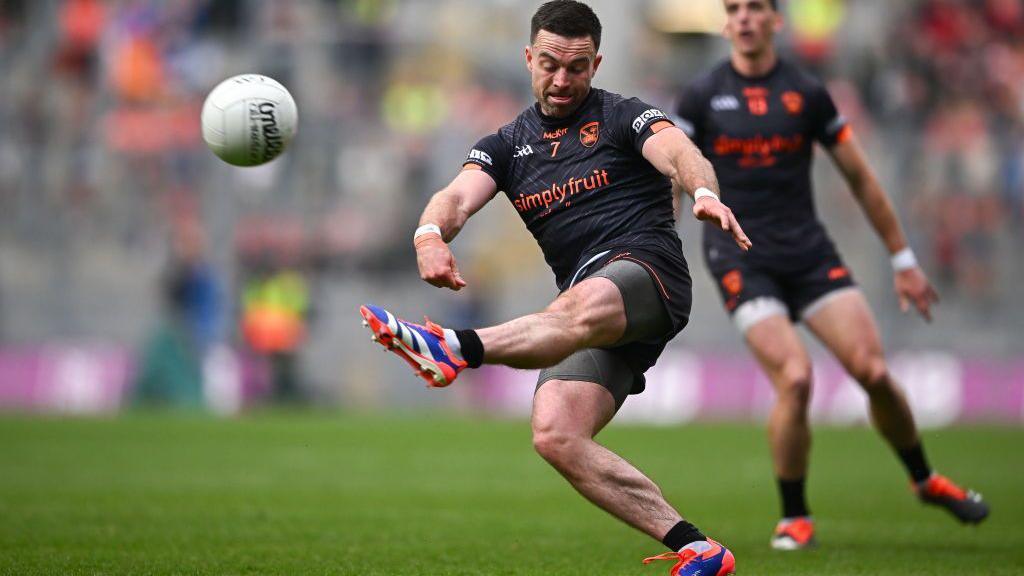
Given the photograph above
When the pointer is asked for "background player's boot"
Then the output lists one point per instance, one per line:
(794, 534)
(708, 558)
(423, 347)
(966, 505)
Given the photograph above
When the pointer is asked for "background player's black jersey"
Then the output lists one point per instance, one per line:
(580, 183)
(759, 134)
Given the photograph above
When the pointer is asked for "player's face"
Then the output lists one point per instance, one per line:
(751, 25)
(561, 70)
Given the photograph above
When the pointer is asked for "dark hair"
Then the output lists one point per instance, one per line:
(567, 18)
(774, 4)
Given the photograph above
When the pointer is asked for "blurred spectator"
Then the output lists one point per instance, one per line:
(275, 300)
(170, 370)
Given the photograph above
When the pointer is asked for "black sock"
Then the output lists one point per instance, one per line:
(682, 534)
(794, 502)
(472, 347)
(916, 463)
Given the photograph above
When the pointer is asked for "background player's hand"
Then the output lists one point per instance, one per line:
(437, 264)
(708, 208)
(913, 287)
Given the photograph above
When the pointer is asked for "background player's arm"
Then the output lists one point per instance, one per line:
(912, 285)
(673, 154)
(449, 209)
(852, 163)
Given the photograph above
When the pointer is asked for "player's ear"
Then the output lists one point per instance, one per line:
(779, 23)
(529, 59)
(597, 62)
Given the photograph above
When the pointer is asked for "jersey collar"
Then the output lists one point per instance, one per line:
(761, 78)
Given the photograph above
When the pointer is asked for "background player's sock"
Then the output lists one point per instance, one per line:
(681, 535)
(466, 345)
(794, 502)
(916, 463)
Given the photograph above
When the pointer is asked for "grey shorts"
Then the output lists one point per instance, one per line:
(646, 319)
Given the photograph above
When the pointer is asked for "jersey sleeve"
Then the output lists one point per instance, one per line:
(688, 112)
(631, 122)
(492, 155)
(830, 127)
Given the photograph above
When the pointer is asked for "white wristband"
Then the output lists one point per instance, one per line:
(904, 260)
(703, 192)
(427, 229)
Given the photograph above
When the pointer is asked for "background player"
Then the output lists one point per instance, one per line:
(756, 117)
(591, 175)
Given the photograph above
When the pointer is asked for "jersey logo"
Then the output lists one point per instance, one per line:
(760, 151)
(757, 100)
(724, 103)
(589, 134)
(523, 151)
(555, 133)
(793, 101)
(640, 121)
(561, 195)
(480, 155)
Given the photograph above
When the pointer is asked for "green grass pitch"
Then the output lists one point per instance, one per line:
(315, 493)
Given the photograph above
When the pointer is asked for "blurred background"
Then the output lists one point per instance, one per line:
(137, 269)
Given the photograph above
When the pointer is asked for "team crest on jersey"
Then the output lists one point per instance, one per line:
(793, 101)
(733, 282)
(589, 133)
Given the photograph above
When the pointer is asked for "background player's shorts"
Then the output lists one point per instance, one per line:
(656, 294)
(754, 290)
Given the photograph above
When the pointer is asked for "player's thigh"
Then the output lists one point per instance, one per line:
(570, 409)
(845, 325)
(596, 308)
(647, 315)
(777, 346)
(580, 395)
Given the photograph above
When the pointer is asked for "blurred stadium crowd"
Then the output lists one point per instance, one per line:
(118, 226)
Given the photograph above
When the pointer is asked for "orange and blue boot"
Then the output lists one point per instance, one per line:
(794, 534)
(708, 558)
(423, 347)
(966, 505)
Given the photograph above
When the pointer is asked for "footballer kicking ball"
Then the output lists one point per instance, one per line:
(249, 119)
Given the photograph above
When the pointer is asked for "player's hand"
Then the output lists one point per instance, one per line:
(709, 208)
(437, 263)
(913, 287)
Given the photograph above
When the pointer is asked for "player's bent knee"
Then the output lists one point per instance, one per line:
(554, 445)
(871, 372)
(553, 439)
(794, 383)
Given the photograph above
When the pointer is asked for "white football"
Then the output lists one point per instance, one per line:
(249, 119)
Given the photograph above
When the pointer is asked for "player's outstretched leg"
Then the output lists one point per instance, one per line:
(846, 326)
(566, 417)
(589, 314)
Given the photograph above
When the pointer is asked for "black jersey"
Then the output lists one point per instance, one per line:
(580, 183)
(759, 134)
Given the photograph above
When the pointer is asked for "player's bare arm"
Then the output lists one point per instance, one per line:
(672, 153)
(448, 210)
(911, 284)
